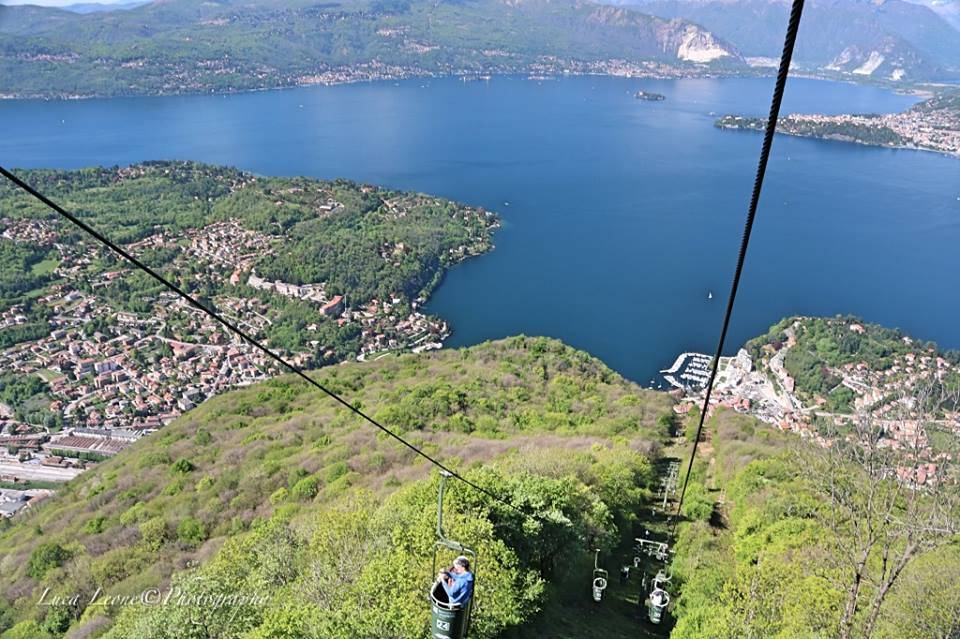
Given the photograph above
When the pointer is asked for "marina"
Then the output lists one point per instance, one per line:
(689, 370)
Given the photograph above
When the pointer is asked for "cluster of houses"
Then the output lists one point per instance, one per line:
(768, 392)
(113, 375)
(329, 306)
(13, 502)
(34, 232)
(383, 331)
(99, 378)
(362, 72)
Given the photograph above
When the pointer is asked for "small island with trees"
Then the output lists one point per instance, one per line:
(649, 96)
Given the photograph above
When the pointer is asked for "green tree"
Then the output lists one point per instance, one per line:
(191, 531)
(154, 533)
(45, 557)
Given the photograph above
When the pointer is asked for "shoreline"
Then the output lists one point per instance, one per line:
(929, 125)
(922, 90)
(845, 140)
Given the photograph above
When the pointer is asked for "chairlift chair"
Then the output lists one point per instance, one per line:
(599, 583)
(449, 620)
(662, 579)
(657, 602)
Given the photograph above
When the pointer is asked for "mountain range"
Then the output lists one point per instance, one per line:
(889, 39)
(949, 10)
(96, 7)
(84, 7)
(181, 46)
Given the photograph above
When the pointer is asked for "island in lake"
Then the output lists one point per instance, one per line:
(649, 96)
(932, 125)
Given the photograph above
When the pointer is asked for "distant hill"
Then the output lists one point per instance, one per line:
(276, 489)
(949, 10)
(892, 40)
(182, 46)
(96, 7)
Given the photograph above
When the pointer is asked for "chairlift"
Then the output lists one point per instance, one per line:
(599, 583)
(657, 602)
(658, 599)
(449, 620)
(656, 549)
(662, 579)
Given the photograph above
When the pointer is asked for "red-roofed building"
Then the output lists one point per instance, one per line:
(334, 307)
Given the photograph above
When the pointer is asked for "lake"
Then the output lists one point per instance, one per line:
(621, 216)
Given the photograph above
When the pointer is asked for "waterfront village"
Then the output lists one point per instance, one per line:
(933, 125)
(113, 376)
(765, 390)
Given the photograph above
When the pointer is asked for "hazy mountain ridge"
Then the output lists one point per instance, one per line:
(949, 10)
(892, 40)
(180, 47)
(96, 7)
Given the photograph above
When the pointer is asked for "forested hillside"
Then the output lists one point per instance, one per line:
(273, 490)
(182, 46)
(325, 526)
(785, 539)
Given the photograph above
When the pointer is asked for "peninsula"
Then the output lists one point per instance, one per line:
(932, 125)
(813, 376)
(94, 353)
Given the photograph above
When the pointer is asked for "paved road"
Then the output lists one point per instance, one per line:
(36, 472)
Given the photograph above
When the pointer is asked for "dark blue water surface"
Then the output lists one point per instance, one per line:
(623, 215)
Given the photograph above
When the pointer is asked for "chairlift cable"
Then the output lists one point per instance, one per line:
(793, 27)
(790, 41)
(296, 370)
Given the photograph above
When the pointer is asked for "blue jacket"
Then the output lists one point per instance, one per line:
(462, 588)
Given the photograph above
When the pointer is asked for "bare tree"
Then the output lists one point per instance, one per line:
(891, 498)
(924, 605)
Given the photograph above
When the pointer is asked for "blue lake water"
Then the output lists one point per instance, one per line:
(620, 215)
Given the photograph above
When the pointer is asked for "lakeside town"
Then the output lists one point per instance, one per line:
(113, 361)
(933, 125)
(191, 80)
(885, 396)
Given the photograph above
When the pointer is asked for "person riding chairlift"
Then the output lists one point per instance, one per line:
(657, 597)
(457, 581)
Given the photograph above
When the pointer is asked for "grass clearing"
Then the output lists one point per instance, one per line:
(45, 267)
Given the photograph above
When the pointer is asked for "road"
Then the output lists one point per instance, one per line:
(36, 472)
